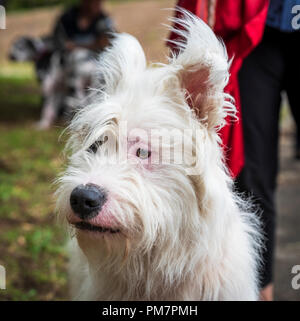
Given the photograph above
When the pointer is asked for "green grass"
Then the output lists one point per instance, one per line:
(19, 93)
(31, 243)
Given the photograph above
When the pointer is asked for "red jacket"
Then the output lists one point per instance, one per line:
(240, 23)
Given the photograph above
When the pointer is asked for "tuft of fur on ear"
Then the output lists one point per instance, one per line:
(119, 62)
(202, 65)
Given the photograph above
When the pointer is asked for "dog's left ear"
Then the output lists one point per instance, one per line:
(201, 64)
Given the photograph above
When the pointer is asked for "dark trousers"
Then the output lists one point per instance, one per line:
(273, 66)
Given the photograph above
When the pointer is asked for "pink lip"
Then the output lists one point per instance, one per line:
(86, 226)
(103, 220)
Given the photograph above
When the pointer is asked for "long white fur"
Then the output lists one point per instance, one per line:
(184, 237)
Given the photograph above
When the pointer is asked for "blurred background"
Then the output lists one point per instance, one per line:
(31, 243)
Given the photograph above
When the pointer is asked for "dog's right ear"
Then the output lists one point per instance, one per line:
(201, 65)
(119, 62)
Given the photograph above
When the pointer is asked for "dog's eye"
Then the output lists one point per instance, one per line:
(143, 153)
(94, 147)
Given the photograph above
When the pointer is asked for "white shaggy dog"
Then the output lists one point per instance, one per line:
(150, 227)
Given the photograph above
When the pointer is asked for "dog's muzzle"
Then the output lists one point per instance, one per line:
(87, 200)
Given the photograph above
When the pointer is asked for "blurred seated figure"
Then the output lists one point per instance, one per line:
(84, 26)
(64, 61)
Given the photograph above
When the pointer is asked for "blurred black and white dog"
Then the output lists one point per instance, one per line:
(36, 50)
(146, 191)
(64, 76)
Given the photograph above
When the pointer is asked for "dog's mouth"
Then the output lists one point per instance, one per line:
(94, 228)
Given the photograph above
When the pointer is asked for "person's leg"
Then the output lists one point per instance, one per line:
(260, 81)
(291, 54)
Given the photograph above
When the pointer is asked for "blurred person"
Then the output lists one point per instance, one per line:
(260, 36)
(84, 26)
(271, 68)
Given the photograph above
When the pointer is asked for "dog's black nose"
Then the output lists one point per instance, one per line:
(87, 200)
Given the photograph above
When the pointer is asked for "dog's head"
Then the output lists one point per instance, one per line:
(139, 155)
(24, 49)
